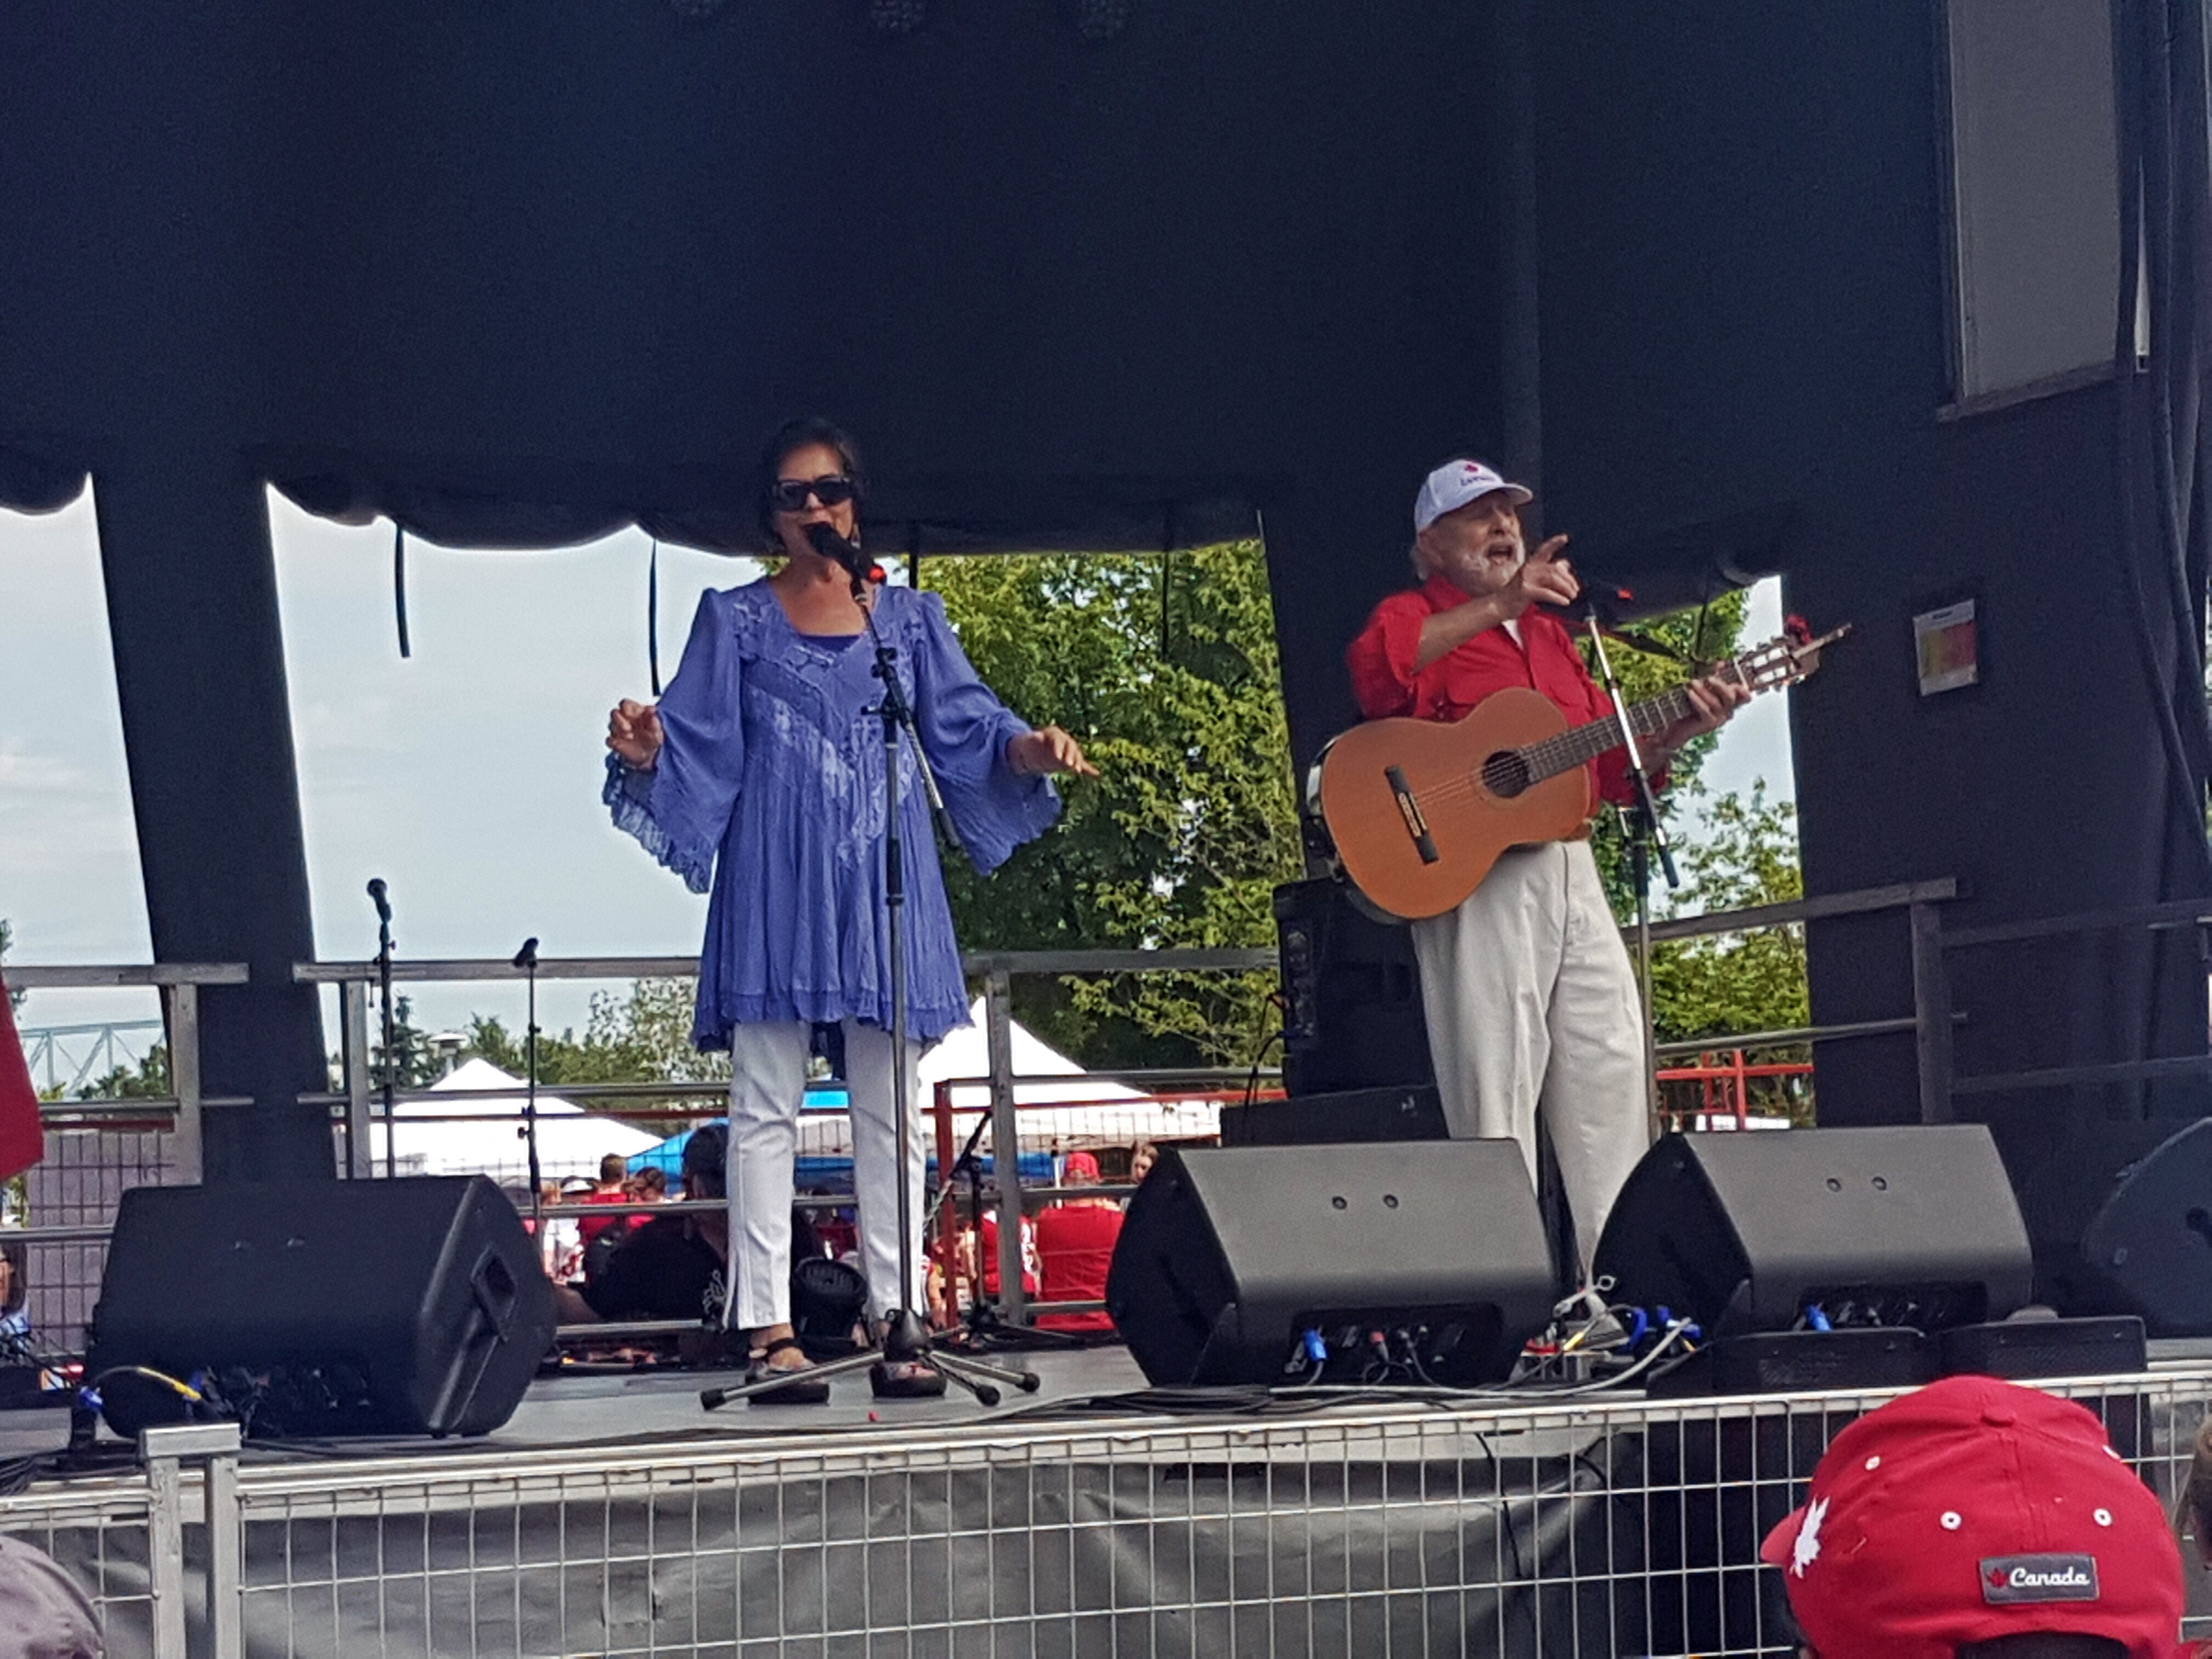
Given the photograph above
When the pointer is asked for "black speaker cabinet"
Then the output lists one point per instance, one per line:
(1409, 1113)
(1230, 1254)
(1352, 993)
(1744, 1230)
(2146, 1250)
(326, 1308)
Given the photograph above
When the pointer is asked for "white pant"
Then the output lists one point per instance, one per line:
(1532, 1003)
(767, 1084)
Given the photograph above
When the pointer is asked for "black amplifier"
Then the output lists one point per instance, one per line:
(1352, 993)
(1354, 1114)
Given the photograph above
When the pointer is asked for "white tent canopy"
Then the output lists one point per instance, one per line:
(489, 1138)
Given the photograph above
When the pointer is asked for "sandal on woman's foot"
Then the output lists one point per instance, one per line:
(906, 1379)
(804, 1387)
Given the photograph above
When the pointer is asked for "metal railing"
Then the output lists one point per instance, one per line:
(178, 985)
(2171, 916)
(1932, 1019)
(358, 1099)
(1598, 1526)
(354, 1104)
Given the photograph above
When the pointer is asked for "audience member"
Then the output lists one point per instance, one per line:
(612, 1188)
(1982, 1520)
(671, 1267)
(43, 1613)
(1075, 1246)
(650, 1185)
(16, 1348)
(987, 1251)
(1142, 1157)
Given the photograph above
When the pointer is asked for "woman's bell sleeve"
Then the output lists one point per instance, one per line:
(964, 731)
(679, 810)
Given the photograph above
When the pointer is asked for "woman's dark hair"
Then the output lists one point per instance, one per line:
(19, 1276)
(706, 1154)
(798, 434)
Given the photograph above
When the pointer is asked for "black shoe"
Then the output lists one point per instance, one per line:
(805, 1388)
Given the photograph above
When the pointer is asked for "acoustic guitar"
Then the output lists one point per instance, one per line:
(1419, 811)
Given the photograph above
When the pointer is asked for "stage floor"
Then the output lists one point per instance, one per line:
(570, 1410)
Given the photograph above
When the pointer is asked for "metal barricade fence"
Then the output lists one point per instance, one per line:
(1590, 1527)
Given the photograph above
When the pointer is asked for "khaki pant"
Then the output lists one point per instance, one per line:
(1532, 1006)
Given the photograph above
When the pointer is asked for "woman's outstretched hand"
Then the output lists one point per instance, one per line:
(1048, 749)
(634, 733)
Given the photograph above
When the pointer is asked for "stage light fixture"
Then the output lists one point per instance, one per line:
(897, 16)
(1102, 20)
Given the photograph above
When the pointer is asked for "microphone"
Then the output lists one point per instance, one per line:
(376, 896)
(831, 546)
(527, 956)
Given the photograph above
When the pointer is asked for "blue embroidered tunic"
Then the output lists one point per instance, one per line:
(768, 794)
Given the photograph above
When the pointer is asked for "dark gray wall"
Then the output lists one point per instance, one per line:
(1743, 301)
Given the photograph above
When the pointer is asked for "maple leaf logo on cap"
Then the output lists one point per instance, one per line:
(1998, 1577)
(1807, 1550)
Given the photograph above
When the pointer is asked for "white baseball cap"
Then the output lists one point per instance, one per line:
(1455, 483)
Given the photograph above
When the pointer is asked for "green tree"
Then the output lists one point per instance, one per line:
(148, 1080)
(1745, 855)
(1166, 668)
(1703, 635)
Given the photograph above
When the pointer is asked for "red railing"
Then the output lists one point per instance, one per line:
(1723, 1080)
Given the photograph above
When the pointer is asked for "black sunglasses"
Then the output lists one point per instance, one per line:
(790, 495)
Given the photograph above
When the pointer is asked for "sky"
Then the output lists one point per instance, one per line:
(467, 776)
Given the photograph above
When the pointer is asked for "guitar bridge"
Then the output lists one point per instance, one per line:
(1409, 809)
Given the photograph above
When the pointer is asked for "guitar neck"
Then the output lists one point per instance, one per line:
(1579, 746)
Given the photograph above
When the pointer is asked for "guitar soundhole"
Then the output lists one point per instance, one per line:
(1505, 774)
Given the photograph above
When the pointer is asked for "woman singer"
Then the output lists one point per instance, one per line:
(759, 778)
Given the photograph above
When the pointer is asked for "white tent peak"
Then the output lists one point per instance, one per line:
(490, 1141)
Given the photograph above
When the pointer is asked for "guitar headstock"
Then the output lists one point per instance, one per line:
(1786, 658)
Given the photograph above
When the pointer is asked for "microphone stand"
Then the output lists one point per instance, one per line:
(1645, 835)
(526, 959)
(906, 1340)
(376, 892)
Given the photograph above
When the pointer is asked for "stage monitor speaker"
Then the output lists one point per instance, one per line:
(1352, 993)
(1744, 1231)
(1230, 1257)
(2146, 1250)
(323, 1308)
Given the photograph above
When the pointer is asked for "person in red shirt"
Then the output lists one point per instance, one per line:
(1075, 1245)
(1530, 1000)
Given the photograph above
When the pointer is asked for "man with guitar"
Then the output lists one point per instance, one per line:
(1530, 1000)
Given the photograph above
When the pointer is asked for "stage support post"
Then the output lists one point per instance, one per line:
(207, 728)
(1931, 1013)
(1006, 1143)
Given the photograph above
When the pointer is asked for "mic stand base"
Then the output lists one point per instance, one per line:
(906, 1341)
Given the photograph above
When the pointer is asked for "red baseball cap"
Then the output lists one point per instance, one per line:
(1973, 1509)
(1080, 1164)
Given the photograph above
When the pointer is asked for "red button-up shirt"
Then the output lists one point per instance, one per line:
(1386, 683)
